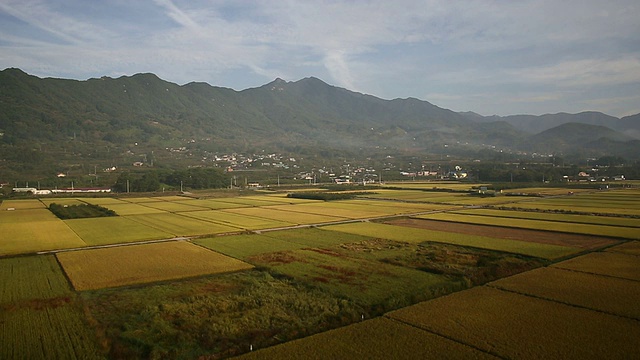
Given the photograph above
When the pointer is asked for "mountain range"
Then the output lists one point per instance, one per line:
(307, 114)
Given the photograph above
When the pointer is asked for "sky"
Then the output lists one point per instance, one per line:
(499, 57)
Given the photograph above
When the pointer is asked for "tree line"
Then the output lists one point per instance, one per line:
(154, 180)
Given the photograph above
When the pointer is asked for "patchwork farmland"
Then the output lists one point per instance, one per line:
(182, 277)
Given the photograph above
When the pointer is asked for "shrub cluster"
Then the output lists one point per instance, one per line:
(80, 211)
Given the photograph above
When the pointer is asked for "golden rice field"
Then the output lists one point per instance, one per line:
(577, 228)
(138, 264)
(237, 221)
(179, 225)
(113, 230)
(287, 216)
(25, 231)
(21, 204)
(606, 263)
(601, 293)
(516, 326)
(631, 248)
(564, 218)
(379, 338)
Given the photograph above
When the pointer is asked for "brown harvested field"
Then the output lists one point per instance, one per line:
(515, 326)
(602, 293)
(605, 263)
(380, 338)
(138, 264)
(542, 237)
(631, 248)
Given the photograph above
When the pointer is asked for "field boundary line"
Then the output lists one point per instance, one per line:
(444, 336)
(592, 273)
(561, 302)
(179, 238)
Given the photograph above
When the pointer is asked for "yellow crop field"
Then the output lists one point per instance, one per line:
(325, 208)
(288, 216)
(33, 236)
(179, 225)
(631, 248)
(138, 264)
(26, 216)
(240, 222)
(138, 200)
(212, 204)
(21, 204)
(113, 230)
(605, 263)
(565, 218)
(515, 326)
(172, 206)
(602, 293)
(123, 209)
(587, 229)
(371, 339)
(104, 201)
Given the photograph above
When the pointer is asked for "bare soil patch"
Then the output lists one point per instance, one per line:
(542, 237)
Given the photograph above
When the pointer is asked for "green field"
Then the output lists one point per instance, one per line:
(40, 318)
(21, 204)
(243, 246)
(287, 216)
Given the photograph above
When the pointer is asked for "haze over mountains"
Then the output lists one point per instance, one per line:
(307, 113)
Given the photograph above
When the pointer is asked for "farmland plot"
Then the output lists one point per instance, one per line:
(38, 315)
(138, 264)
(211, 204)
(412, 235)
(56, 331)
(240, 222)
(370, 340)
(631, 248)
(21, 204)
(178, 225)
(287, 216)
(587, 229)
(113, 230)
(602, 293)
(124, 209)
(174, 206)
(25, 231)
(565, 218)
(605, 263)
(327, 209)
(31, 277)
(535, 236)
(243, 246)
(508, 325)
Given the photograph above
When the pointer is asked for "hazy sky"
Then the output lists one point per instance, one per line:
(492, 57)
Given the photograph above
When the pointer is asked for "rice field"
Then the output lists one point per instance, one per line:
(515, 326)
(38, 315)
(237, 221)
(32, 236)
(576, 228)
(178, 225)
(413, 235)
(138, 264)
(631, 248)
(328, 209)
(286, 216)
(31, 277)
(174, 206)
(243, 246)
(21, 204)
(613, 264)
(601, 293)
(113, 230)
(565, 218)
(371, 340)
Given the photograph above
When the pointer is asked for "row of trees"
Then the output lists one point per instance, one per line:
(153, 180)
